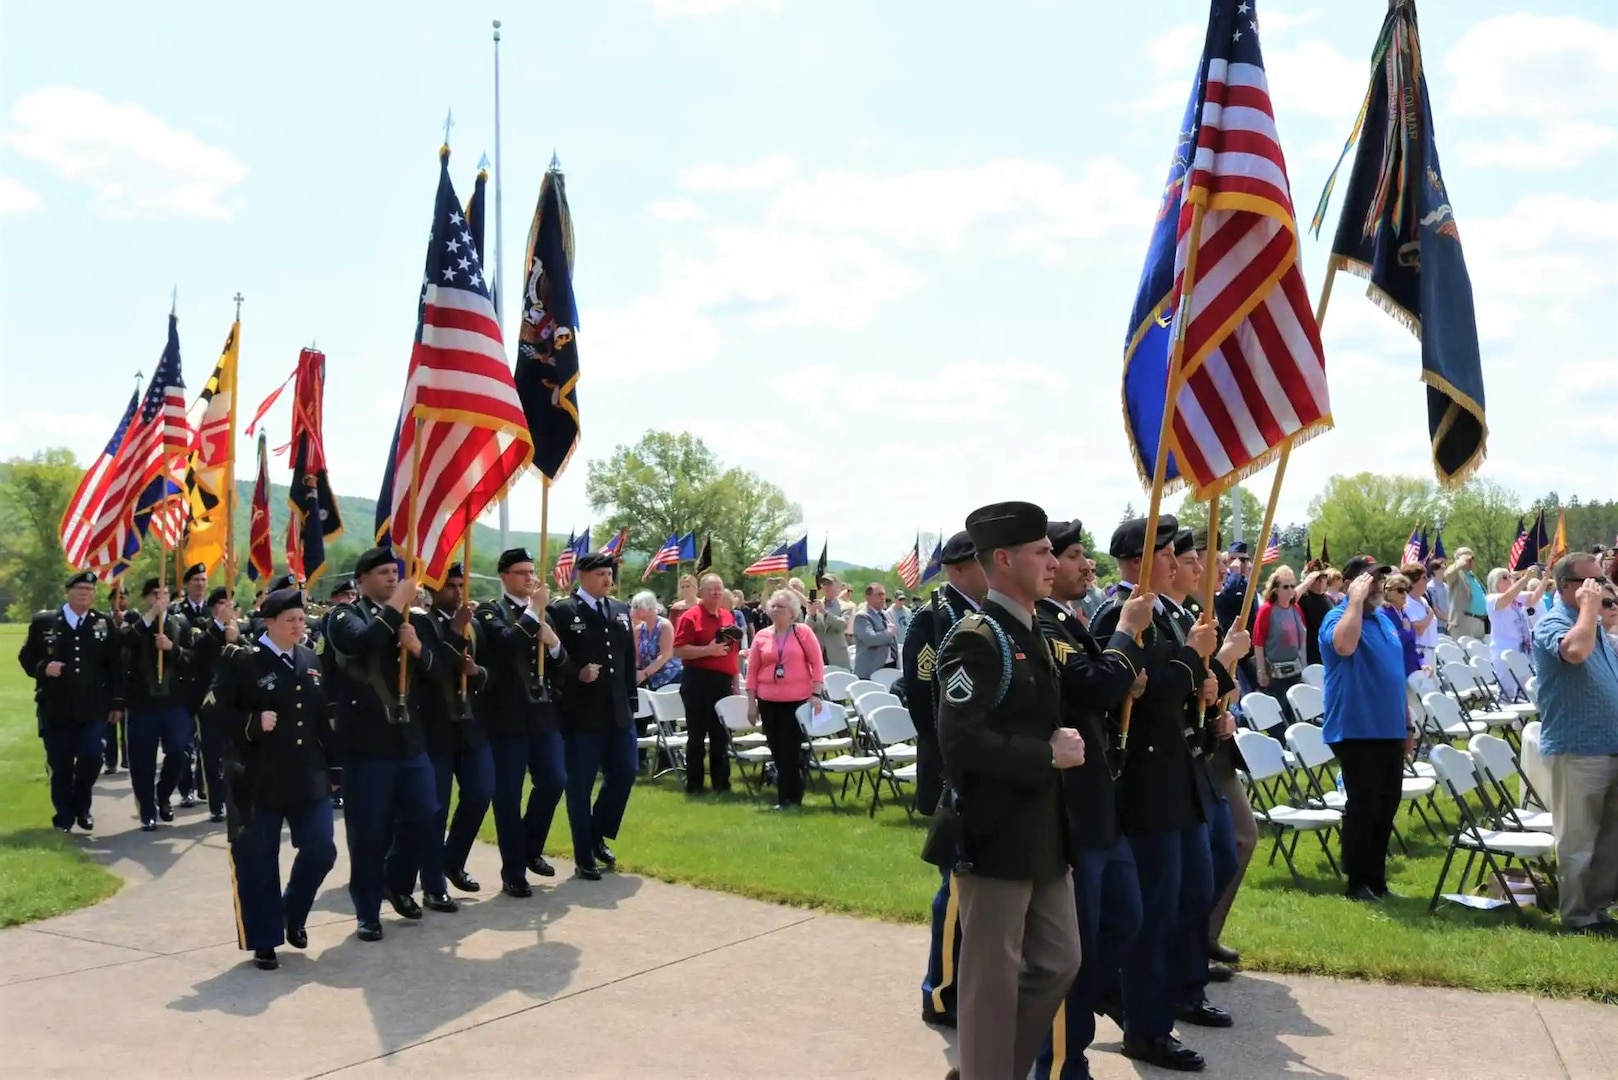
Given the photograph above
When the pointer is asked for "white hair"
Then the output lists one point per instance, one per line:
(792, 600)
(645, 600)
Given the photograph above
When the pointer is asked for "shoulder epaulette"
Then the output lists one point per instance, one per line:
(975, 622)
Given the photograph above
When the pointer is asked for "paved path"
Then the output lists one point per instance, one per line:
(625, 977)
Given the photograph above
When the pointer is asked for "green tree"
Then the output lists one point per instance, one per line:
(1194, 515)
(1482, 515)
(672, 483)
(1372, 514)
(34, 493)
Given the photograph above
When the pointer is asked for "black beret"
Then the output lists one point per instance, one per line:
(958, 549)
(594, 561)
(1129, 538)
(1005, 525)
(1238, 547)
(281, 600)
(1064, 534)
(455, 570)
(377, 556)
(1184, 541)
(285, 581)
(149, 586)
(194, 570)
(83, 577)
(342, 585)
(218, 593)
(512, 557)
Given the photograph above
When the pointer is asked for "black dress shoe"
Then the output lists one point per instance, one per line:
(1203, 1014)
(62, 828)
(440, 902)
(588, 873)
(1220, 953)
(604, 855)
(87, 823)
(369, 931)
(520, 889)
(217, 816)
(462, 880)
(1363, 894)
(930, 1015)
(165, 812)
(404, 904)
(538, 865)
(1220, 973)
(297, 937)
(187, 802)
(148, 826)
(109, 770)
(265, 960)
(1165, 1053)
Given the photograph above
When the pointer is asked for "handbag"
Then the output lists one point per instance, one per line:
(1285, 669)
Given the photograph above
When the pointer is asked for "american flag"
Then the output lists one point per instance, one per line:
(776, 562)
(1253, 375)
(1412, 552)
(148, 474)
(668, 555)
(85, 506)
(563, 574)
(460, 413)
(909, 567)
(1517, 545)
(615, 546)
(1272, 550)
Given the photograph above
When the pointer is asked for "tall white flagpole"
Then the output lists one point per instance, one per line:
(499, 261)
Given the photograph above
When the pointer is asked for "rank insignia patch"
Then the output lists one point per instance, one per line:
(958, 687)
(925, 660)
(1062, 651)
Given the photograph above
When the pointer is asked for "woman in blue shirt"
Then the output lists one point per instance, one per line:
(1395, 590)
(1367, 722)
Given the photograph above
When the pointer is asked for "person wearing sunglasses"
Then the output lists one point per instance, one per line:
(1278, 633)
(1395, 591)
(1609, 611)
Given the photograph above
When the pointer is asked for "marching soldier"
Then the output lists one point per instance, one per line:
(270, 701)
(456, 743)
(962, 593)
(1002, 824)
(391, 793)
(596, 712)
(1106, 891)
(342, 592)
(73, 656)
(518, 713)
(116, 744)
(219, 629)
(159, 709)
(197, 612)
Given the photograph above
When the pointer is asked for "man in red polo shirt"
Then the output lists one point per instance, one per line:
(707, 642)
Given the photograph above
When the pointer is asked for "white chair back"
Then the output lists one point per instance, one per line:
(1443, 710)
(1483, 673)
(667, 705)
(1493, 757)
(1422, 683)
(1309, 745)
(1533, 762)
(1454, 768)
(892, 724)
(1476, 650)
(838, 682)
(1262, 755)
(1448, 652)
(644, 708)
(1315, 675)
(1262, 711)
(832, 720)
(1308, 703)
(866, 704)
(886, 677)
(1532, 687)
(859, 688)
(1518, 665)
(732, 712)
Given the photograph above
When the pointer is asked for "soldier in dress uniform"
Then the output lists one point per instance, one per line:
(219, 629)
(518, 712)
(343, 591)
(159, 708)
(116, 743)
(962, 593)
(269, 698)
(1159, 806)
(194, 608)
(456, 742)
(1002, 824)
(391, 792)
(74, 657)
(596, 712)
(1106, 891)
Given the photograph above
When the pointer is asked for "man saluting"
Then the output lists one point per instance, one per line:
(269, 701)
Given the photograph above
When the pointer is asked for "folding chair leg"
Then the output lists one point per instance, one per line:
(1297, 879)
(1403, 847)
(1443, 875)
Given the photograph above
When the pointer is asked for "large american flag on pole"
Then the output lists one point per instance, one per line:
(460, 412)
(666, 556)
(1253, 375)
(78, 523)
(909, 568)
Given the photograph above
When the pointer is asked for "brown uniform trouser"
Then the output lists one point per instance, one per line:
(1241, 815)
(1019, 955)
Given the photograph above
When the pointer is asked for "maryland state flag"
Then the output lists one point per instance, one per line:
(314, 507)
(547, 354)
(260, 555)
(207, 475)
(1399, 231)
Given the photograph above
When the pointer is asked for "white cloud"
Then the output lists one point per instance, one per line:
(685, 9)
(16, 198)
(136, 165)
(762, 175)
(1559, 146)
(1313, 78)
(675, 210)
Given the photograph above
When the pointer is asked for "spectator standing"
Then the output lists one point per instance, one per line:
(1419, 610)
(1468, 607)
(707, 644)
(784, 670)
(876, 635)
(1578, 708)
(686, 597)
(828, 618)
(1314, 603)
(655, 665)
(901, 613)
(1438, 594)
(1514, 604)
(1278, 635)
(1395, 591)
(1367, 723)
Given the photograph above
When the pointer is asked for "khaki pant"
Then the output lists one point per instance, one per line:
(1228, 784)
(1019, 955)
(1584, 807)
(1467, 626)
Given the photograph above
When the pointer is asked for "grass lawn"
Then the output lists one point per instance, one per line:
(42, 872)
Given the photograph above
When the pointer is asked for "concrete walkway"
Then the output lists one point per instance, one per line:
(625, 977)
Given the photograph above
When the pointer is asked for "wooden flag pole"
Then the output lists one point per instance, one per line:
(412, 540)
(466, 576)
(162, 583)
(1171, 394)
(544, 557)
(1209, 574)
(1281, 470)
(229, 494)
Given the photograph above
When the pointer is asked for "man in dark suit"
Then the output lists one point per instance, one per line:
(1002, 824)
(220, 627)
(157, 650)
(596, 712)
(116, 743)
(193, 607)
(517, 710)
(1106, 891)
(73, 655)
(269, 700)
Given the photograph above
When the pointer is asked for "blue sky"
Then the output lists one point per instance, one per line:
(882, 253)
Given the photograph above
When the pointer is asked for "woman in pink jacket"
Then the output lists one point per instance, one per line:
(784, 669)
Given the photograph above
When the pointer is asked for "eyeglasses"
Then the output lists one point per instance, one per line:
(1398, 589)
(1286, 586)
(1609, 603)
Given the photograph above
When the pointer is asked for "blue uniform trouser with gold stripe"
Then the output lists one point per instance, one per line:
(1189, 954)
(1176, 892)
(938, 987)
(263, 910)
(1106, 891)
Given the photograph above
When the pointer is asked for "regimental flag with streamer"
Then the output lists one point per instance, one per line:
(207, 474)
(461, 414)
(315, 515)
(547, 349)
(260, 555)
(78, 521)
(1252, 374)
(1398, 230)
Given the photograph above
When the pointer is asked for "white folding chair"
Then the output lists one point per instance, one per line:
(1263, 714)
(1476, 650)
(893, 733)
(1268, 780)
(1443, 719)
(1533, 765)
(748, 746)
(1449, 652)
(847, 765)
(858, 689)
(1496, 767)
(1520, 670)
(886, 677)
(1315, 676)
(1308, 703)
(1457, 774)
(668, 709)
(835, 737)
(837, 684)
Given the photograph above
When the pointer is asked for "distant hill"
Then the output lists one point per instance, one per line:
(359, 520)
